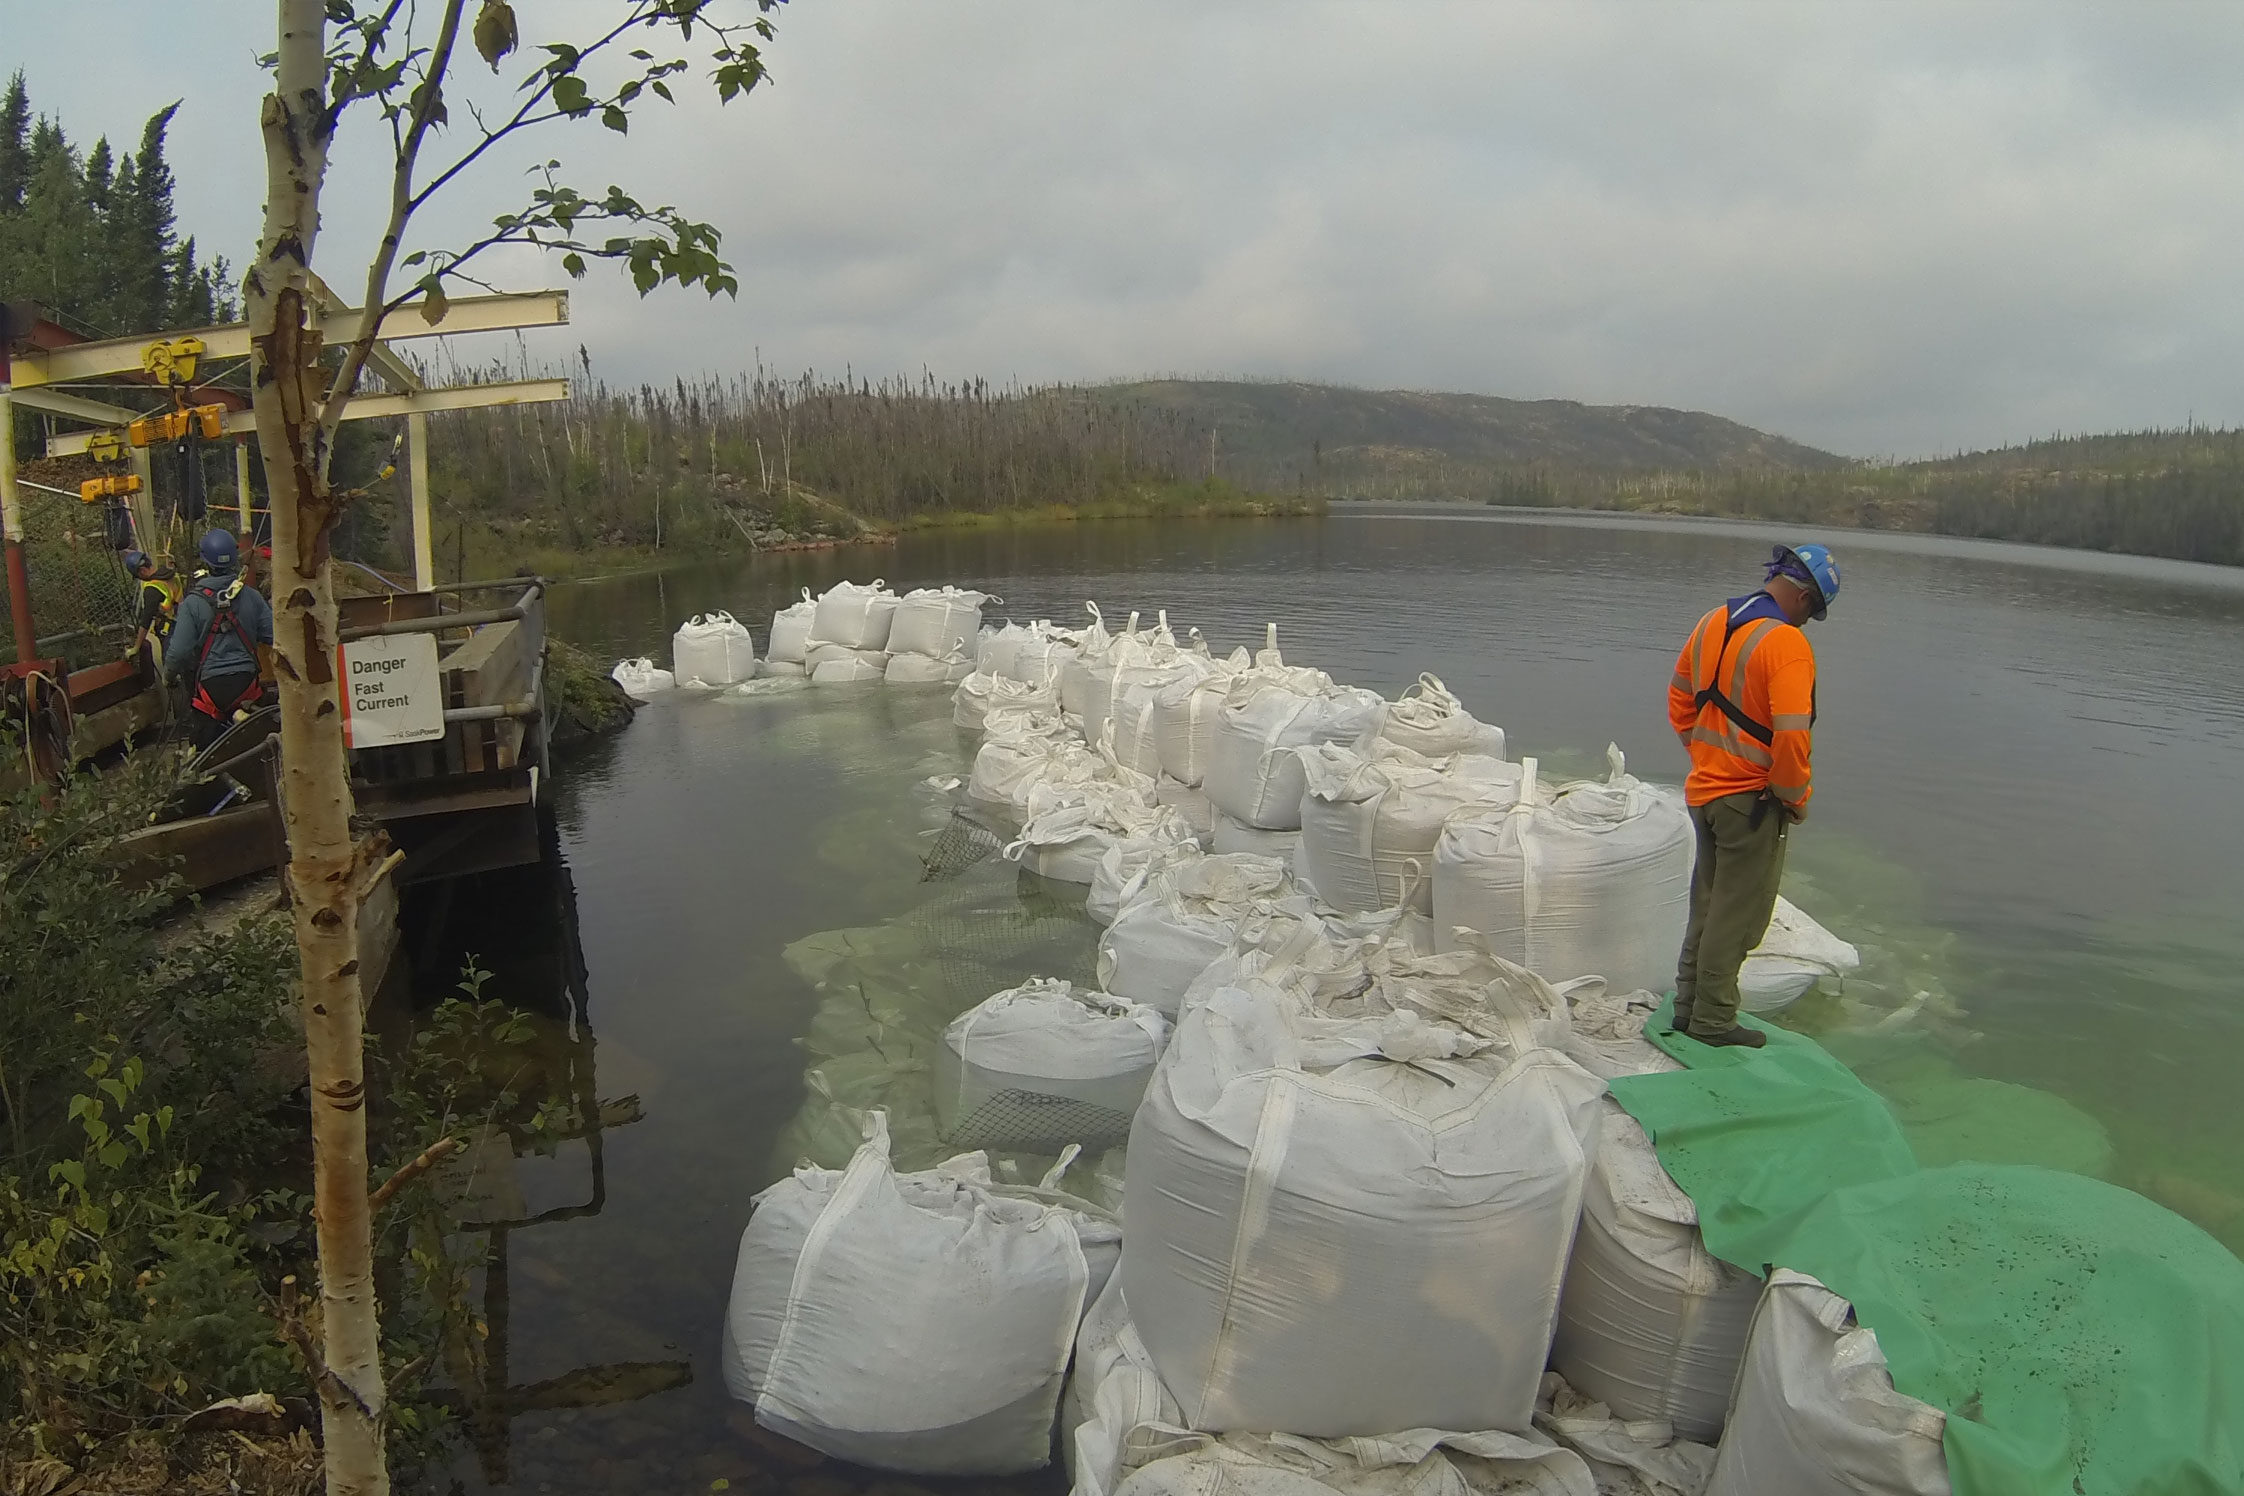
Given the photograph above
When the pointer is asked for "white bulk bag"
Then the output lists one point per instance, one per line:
(1008, 766)
(1043, 1065)
(916, 1322)
(926, 670)
(790, 631)
(1228, 834)
(848, 666)
(1087, 682)
(1369, 824)
(853, 616)
(1595, 882)
(1134, 707)
(1066, 830)
(1352, 1226)
(1030, 653)
(1122, 871)
(783, 669)
(1091, 647)
(1793, 956)
(939, 621)
(1179, 920)
(1816, 1412)
(1269, 710)
(712, 649)
(1428, 718)
(980, 694)
(1193, 804)
(642, 678)
(1184, 718)
(1651, 1324)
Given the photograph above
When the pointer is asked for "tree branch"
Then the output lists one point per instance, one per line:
(428, 99)
(435, 1153)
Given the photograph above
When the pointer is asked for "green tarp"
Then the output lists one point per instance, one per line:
(2083, 1341)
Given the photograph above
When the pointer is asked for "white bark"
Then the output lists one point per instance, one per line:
(326, 865)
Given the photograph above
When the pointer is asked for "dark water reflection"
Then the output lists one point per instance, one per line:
(2027, 769)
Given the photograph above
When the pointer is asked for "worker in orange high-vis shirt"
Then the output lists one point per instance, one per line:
(1743, 702)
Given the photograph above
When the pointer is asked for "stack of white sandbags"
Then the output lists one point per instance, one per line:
(789, 645)
(932, 636)
(1266, 709)
(1299, 1184)
(642, 678)
(981, 694)
(1044, 1065)
(1133, 712)
(1019, 752)
(849, 633)
(1651, 1323)
(912, 1322)
(1087, 679)
(1178, 917)
(1370, 819)
(1815, 1409)
(712, 649)
(1122, 871)
(1595, 881)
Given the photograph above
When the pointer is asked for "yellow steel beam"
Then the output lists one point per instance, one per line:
(463, 314)
(374, 407)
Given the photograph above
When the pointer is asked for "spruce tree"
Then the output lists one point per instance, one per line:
(15, 144)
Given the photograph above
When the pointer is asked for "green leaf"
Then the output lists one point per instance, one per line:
(434, 303)
(112, 1154)
(616, 120)
(574, 264)
(570, 96)
(495, 33)
(114, 1089)
(163, 1120)
(70, 1170)
(663, 89)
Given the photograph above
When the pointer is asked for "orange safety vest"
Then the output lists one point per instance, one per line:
(1743, 702)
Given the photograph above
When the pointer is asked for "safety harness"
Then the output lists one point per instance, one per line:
(222, 619)
(1745, 722)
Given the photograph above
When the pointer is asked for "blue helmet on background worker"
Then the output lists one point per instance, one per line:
(135, 560)
(1811, 564)
(218, 550)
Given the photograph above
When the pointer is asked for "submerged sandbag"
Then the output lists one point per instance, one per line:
(1067, 829)
(1651, 1324)
(1793, 956)
(912, 1322)
(712, 649)
(1595, 882)
(980, 694)
(783, 669)
(1352, 1226)
(1269, 709)
(1043, 1065)
(1369, 822)
(833, 665)
(853, 616)
(790, 632)
(642, 678)
(925, 670)
(939, 622)
(1816, 1412)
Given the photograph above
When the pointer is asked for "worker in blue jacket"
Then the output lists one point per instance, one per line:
(214, 642)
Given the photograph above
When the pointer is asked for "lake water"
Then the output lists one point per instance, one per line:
(2027, 809)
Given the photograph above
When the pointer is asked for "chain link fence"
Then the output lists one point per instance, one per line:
(82, 598)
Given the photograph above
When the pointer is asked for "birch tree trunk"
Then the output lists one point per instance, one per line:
(326, 865)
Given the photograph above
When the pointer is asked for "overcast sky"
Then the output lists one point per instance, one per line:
(1880, 228)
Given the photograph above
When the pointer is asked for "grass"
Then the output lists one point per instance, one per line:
(1209, 499)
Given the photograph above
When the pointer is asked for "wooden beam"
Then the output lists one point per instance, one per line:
(372, 407)
(463, 314)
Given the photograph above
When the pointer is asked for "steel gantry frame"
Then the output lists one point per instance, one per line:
(39, 375)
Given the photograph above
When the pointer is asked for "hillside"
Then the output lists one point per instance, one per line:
(1288, 435)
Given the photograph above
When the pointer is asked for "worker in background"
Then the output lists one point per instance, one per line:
(214, 644)
(1743, 702)
(158, 602)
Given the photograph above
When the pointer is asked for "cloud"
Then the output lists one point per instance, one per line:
(1885, 228)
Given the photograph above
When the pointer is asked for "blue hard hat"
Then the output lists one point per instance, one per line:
(217, 549)
(134, 560)
(1821, 568)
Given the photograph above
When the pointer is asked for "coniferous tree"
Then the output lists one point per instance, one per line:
(15, 143)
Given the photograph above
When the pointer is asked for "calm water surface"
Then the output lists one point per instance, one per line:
(2027, 810)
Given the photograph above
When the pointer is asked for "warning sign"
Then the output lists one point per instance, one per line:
(392, 692)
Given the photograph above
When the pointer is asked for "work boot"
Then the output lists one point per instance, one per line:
(1740, 1037)
(1680, 1022)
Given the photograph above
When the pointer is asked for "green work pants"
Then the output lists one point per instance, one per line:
(1733, 893)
